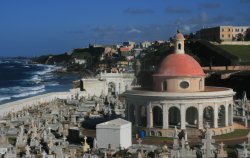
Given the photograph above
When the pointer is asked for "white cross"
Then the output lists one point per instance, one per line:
(64, 138)
(85, 139)
(139, 141)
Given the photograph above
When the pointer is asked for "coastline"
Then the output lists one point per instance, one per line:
(32, 80)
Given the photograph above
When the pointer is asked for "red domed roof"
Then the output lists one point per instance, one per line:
(180, 65)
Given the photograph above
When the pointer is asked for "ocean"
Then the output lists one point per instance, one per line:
(19, 80)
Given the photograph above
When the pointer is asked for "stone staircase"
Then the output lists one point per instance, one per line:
(194, 135)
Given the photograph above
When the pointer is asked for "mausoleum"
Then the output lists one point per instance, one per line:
(179, 98)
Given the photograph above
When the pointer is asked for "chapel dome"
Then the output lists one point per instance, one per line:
(180, 65)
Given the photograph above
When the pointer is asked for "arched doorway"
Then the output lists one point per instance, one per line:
(208, 116)
(157, 116)
(192, 117)
(174, 116)
(143, 112)
(221, 116)
(111, 88)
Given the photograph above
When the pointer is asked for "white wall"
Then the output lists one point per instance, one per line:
(107, 136)
(126, 137)
(96, 86)
(32, 101)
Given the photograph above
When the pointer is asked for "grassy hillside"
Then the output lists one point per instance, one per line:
(241, 51)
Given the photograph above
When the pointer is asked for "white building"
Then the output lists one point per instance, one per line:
(145, 44)
(116, 133)
(79, 61)
(179, 98)
(236, 30)
(108, 83)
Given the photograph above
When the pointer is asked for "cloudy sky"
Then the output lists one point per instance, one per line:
(35, 27)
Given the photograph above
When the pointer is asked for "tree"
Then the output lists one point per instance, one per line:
(240, 37)
(247, 36)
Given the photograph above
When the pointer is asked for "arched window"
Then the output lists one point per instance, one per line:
(165, 85)
(179, 46)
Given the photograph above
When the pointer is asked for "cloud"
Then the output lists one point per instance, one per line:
(134, 30)
(177, 10)
(138, 11)
(210, 5)
(245, 1)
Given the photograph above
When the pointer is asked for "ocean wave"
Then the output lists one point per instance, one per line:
(2, 98)
(28, 93)
(51, 84)
(18, 61)
(48, 77)
(4, 62)
(35, 79)
(47, 69)
(19, 89)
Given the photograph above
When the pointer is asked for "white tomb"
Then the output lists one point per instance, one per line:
(116, 133)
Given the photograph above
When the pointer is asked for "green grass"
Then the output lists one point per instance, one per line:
(235, 134)
(241, 51)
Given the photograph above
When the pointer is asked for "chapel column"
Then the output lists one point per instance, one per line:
(183, 116)
(226, 114)
(165, 116)
(200, 116)
(231, 114)
(215, 116)
(149, 116)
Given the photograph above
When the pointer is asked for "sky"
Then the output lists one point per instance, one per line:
(37, 27)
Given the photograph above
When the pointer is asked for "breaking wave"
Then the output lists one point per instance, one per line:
(28, 93)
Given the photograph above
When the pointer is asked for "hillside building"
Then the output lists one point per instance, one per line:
(222, 33)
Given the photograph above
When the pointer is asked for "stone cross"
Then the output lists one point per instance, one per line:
(44, 154)
(186, 138)
(245, 151)
(105, 154)
(95, 144)
(85, 146)
(206, 126)
(139, 141)
(27, 153)
(175, 131)
(183, 149)
(176, 144)
(222, 153)
(207, 144)
(49, 129)
(64, 138)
